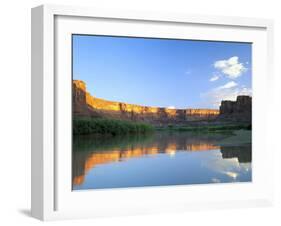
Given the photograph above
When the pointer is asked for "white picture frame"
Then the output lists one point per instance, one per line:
(52, 197)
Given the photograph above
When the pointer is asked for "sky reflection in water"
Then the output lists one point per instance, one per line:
(157, 160)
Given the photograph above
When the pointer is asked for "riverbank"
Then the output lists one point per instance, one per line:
(239, 137)
(82, 126)
(103, 126)
(207, 128)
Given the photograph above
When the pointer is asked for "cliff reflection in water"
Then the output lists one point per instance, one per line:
(91, 153)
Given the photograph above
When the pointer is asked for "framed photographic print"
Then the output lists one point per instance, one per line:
(137, 112)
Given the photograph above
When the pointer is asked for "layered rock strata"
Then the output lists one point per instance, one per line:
(84, 104)
(239, 110)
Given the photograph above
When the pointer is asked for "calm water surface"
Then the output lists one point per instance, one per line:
(157, 159)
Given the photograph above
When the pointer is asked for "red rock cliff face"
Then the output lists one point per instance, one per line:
(86, 105)
(239, 110)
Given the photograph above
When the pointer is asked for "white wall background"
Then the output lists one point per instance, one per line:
(15, 111)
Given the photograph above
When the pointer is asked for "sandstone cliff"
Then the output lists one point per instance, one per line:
(239, 110)
(84, 104)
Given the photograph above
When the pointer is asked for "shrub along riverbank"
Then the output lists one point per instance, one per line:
(83, 126)
(108, 126)
(208, 128)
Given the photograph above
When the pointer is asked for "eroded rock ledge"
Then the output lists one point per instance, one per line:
(239, 110)
(85, 105)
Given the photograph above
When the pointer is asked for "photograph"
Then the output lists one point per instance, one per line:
(149, 111)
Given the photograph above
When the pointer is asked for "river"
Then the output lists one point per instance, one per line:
(158, 159)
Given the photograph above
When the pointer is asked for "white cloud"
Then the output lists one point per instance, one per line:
(214, 78)
(171, 107)
(229, 91)
(227, 85)
(245, 91)
(230, 67)
(233, 175)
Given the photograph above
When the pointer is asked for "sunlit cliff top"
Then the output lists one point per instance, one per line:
(98, 101)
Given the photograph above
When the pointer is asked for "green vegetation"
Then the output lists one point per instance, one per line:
(108, 126)
(227, 128)
(239, 137)
(113, 127)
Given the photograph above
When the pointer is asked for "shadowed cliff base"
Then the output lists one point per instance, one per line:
(90, 113)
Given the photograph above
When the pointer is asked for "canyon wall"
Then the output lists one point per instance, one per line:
(84, 104)
(239, 110)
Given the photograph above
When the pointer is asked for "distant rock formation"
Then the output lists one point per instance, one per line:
(84, 104)
(239, 110)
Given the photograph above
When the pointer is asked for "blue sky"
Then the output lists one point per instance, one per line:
(162, 72)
